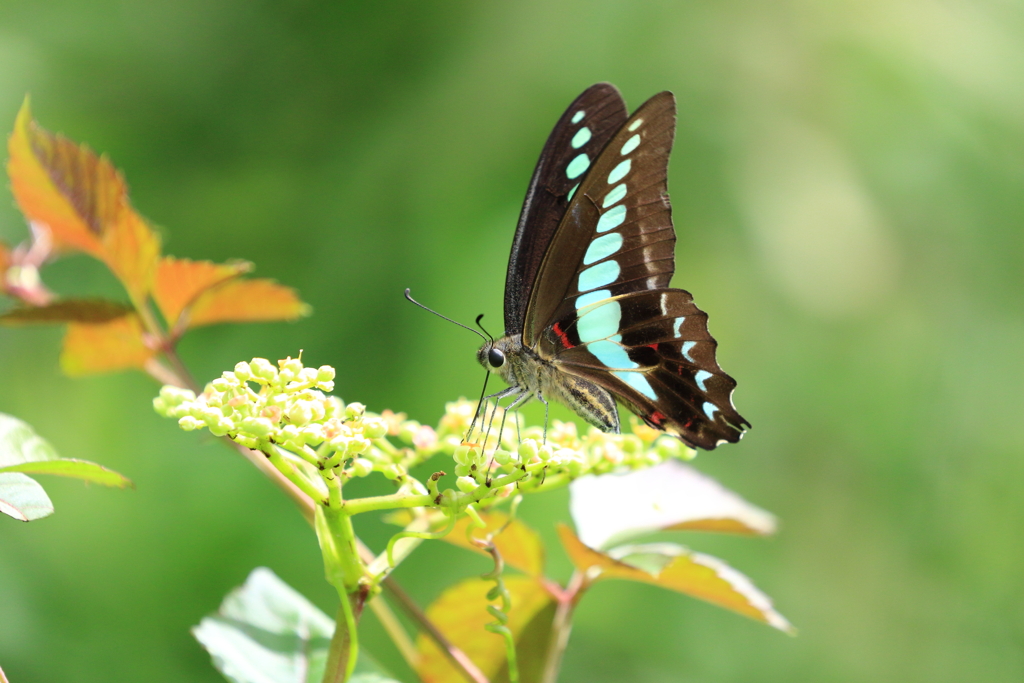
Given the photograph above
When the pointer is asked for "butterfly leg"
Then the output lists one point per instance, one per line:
(511, 391)
(547, 409)
(483, 405)
(521, 398)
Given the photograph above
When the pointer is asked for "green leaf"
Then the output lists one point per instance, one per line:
(22, 450)
(23, 498)
(671, 496)
(20, 444)
(78, 469)
(67, 310)
(266, 632)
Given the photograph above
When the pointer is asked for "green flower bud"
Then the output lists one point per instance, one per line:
(243, 372)
(527, 450)
(466, 484)
(189, 423)
(334, 407)
(313, 434)
(290, 434)
(361, 467)
(221, 384)
(262, 369)
(545, 452)
(357, 445)
(462, 470)
(300, 413)
(354, 411)
(160, 407)
(308, 376)
(391, 471)
(325, 373)
(247, 441)
(407, 432)
(292, 365)
(462, 455)
(502, 457)
(222, 427)
(256, 426)
(374, 428)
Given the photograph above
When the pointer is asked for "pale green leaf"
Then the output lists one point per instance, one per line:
(23, 498)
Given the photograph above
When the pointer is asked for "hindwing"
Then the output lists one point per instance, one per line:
(652, 350)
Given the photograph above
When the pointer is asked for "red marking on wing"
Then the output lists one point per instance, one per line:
(657, 418)
(562, 336)
(654, 346)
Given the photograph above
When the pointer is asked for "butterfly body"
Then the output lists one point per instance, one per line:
(589, 316)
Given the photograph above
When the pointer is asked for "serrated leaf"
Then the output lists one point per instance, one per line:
(519, 545)
(22, 498)
(461, 614)
(180, 281)
(611, 508)
(67, 310)
(239, 301)
(104, 347)
(266, 632)
(82, 200)
(695, 574)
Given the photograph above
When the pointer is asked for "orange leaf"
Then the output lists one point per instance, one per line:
(132, 251)
(519, 545)
(180, 281)
(83, 201)
(104, 347)
(461, 614)
(695, 574)
(239, 301)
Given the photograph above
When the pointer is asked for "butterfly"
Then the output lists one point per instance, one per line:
(589, 317)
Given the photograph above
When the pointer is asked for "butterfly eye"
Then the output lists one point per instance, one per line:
(496, 358)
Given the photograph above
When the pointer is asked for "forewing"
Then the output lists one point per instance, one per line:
(652, 350)
(616, 237)
(578, 138)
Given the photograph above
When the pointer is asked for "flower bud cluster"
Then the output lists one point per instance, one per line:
(287, 407)
(564, 456)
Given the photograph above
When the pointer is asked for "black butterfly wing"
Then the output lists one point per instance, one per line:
(577, 139)
(652, 350)
(601, 308)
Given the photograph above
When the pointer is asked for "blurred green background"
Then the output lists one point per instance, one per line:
(847, 183)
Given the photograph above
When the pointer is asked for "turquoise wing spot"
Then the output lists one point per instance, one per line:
(577, 166)
(638, 382)
(710, 409)
(636, 124)
(602, 248)
(592, 298)
(600, 323)
(619, 172)
(679, 332)
(573, 191)
(631, 144)
(578, 116)
(687, 347)
(616, 195)
(612, 218)
(581, 138)
(702, 376)
(611, 355)
(598, 276)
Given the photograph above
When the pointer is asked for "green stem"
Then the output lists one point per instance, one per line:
(344, 650)
(285, 468)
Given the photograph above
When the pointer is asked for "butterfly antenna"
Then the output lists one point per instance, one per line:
(478, 319)
(430, 310)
